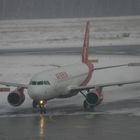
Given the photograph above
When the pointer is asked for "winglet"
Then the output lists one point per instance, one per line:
(86, 44)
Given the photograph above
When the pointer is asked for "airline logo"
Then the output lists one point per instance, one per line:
(61, 75)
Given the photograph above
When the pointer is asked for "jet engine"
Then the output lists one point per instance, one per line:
(93, 98)
(16, 97)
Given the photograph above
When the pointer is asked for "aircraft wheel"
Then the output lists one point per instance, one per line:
(34, 104)
(43, 110)
(42, 106)
(85, 105)
(91, 107)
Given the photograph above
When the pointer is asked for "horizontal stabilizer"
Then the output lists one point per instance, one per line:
(94, 61)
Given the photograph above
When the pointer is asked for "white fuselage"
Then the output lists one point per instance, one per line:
(55, 83)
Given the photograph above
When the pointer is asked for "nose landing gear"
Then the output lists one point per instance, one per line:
(41, 104)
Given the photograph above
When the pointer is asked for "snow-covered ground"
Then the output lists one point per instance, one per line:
(68, 32)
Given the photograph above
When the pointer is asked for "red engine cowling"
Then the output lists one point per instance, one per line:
(95, 97)
(16, 97)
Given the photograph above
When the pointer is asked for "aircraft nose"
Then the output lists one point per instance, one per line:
(35, 91)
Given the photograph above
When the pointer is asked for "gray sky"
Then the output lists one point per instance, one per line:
(15, 9)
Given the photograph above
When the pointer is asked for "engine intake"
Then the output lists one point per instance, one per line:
(16, 98)
(94, 98)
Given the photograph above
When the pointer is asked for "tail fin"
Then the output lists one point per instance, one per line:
(86, 44)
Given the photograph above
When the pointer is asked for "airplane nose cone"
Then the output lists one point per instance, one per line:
(35, 92)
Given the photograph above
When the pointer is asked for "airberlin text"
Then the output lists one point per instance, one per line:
(61, 76)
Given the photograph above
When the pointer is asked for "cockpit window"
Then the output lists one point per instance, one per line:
(46, 82)
(33, 83)
(39, 83)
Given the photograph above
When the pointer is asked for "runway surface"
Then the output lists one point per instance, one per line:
(72, 122)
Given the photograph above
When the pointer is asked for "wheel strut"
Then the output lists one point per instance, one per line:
(42, 106)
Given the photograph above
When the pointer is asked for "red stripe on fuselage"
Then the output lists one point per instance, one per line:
(89, 76)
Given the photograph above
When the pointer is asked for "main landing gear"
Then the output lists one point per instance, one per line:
(41, 104)
(88, 106)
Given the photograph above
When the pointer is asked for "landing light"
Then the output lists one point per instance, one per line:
(41, 101)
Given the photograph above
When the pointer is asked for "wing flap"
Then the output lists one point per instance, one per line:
(80, 88)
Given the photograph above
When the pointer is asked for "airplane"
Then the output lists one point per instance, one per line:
(64, 82)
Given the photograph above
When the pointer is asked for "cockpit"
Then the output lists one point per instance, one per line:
(39, 83)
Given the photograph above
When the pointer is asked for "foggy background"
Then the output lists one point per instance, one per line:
(26, 9)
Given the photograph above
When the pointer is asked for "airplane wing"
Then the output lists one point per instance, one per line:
(114, 66)
(54, 65)
(80, 88)
(13, 84)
